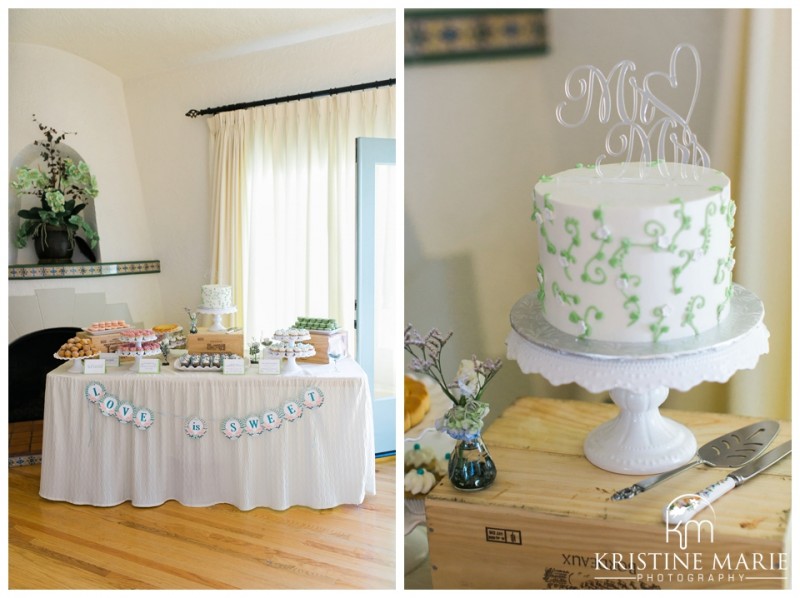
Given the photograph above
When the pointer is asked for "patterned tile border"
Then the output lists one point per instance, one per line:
(32, 272)
(23, 460)
(436, 35)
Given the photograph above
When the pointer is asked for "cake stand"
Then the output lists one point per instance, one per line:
(639, 375)
(138, 351)
(291, 357)
(217, 312)
(76, 362)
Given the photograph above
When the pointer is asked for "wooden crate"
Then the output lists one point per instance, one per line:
(548, 518)
(215, 342)
(322, 342)
(105, 343)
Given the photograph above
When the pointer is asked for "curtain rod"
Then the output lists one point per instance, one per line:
(301, 96)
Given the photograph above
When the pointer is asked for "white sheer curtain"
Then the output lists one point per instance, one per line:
(753, 146)
(298, 202)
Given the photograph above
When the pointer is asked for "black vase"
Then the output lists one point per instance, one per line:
(53, 246)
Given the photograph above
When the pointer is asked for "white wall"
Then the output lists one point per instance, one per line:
(151, 161)
(478, 134)
(172, 150)
(71, 94)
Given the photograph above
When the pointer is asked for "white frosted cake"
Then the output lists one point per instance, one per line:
(216, 296)
(632, 259)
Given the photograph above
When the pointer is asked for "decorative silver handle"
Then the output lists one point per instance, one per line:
(648, 483)
(685, 508)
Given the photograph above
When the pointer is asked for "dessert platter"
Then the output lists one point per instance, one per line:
(139, 342)
(172, 334)
(106, 327)
(202, 362)
(317, 325)
(217, 300)
(76, 349)
(288, 345)
(635, 282)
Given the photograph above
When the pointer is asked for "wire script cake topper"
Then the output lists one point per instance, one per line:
(645, 120)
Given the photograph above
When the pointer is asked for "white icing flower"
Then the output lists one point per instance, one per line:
(563, 261)
(419, 481)
(622, 283)
(584, 327)
(548, 214)
(560, 299)
(663, 242)
(540, 277)
(539, 218)
(666, 311)
(602, 233)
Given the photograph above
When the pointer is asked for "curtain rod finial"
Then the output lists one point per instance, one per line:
(193, 113)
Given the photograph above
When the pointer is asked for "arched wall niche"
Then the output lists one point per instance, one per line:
(29, 156)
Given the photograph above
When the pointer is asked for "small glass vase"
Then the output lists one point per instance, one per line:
(471, 467)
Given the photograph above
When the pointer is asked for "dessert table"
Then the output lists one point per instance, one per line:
(195, 437)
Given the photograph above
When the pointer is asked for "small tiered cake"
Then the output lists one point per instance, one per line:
(634, 259)
(216, 296)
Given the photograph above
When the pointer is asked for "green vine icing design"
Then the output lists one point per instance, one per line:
(540, 278)
(603, 235)
(658, 233)
(565, 297)
(572, 226)
(728, 296)
(688, 256)
(657, 328)
(545, 179)
(581, 165)
(724, 267)
(542, 217)
(696, 302)
(583, 321)
(683, 218)
(626, 281)
(711, 209)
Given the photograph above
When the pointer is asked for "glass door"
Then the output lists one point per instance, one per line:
(378, 315)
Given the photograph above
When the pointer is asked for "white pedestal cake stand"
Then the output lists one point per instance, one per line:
(639, 375)
(217, 313)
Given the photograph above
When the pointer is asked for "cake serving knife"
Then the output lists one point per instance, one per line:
(729, 450)
(686, 507)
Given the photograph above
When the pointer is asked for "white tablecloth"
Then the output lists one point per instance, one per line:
(323, 459)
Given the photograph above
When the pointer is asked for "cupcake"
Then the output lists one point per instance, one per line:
(420, 456)
(418, 482)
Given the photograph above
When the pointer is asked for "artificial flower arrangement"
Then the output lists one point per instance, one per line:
(464, 421)
(64, 189)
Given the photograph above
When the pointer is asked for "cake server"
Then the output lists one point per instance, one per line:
(730, 450)
(686, 507)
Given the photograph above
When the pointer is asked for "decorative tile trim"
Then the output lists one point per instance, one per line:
(23, 460)
(33, 272)
(436, 35)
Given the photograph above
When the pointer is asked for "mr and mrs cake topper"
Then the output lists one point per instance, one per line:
(645, 128)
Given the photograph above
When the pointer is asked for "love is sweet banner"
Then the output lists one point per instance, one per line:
(195, 427)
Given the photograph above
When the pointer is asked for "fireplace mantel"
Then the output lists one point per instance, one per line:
(83, 270)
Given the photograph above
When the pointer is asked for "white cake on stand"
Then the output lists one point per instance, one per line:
(217, 301)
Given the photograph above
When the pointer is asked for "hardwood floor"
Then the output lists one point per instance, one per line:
(56, 545)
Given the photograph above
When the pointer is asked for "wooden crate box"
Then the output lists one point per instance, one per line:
(548, 520)
(322, 342)
(215, 342)
(104, 343)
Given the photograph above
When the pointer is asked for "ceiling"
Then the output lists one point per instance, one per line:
(133, 43)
